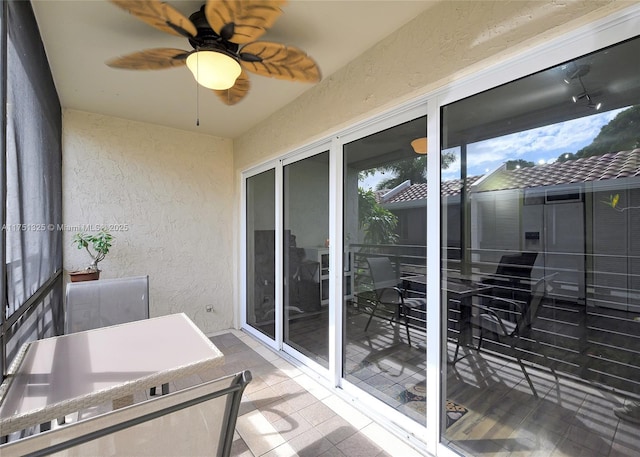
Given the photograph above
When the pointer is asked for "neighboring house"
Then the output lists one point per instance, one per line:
(582, 216)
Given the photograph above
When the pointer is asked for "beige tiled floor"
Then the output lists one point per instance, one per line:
(285, 412)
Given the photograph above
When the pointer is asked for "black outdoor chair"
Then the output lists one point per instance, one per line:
(389, 293)
(512, 278)
(507, 319)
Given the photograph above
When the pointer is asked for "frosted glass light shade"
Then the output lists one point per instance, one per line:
(214, 70)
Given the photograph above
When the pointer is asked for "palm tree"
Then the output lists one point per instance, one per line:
(413, 169)
(379, 224)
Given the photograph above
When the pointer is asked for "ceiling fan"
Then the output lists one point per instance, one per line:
(223, 36)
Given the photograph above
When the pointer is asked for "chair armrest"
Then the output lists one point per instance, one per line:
(511, 303)
(488, 311)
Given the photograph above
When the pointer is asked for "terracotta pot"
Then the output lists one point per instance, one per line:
(84, 275)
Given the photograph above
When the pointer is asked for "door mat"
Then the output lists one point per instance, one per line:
(414, 396)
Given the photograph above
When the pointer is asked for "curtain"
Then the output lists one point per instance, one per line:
(33, 206)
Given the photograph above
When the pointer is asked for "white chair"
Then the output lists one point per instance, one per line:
(199, 420)
(105, 302)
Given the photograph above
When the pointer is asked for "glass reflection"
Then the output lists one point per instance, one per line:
(261, 248)
(385, 267)
(306, 257)
(540, 215)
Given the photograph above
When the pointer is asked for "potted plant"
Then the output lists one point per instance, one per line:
(97, 245)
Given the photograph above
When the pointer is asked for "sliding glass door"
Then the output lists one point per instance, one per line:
(306, 257)
(261, 253)
(541, 262)
(385, 229)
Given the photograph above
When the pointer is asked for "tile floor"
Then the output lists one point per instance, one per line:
(284, 412)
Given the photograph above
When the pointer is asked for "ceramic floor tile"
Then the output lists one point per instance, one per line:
(316, 413)
(240, 449)
(388, 442)
(313, 387)
(348, 412)
(284, 450)
(358, 445)
(310, 444)
(292, 425)
(333, 452)
(336, 429)
(259, 435)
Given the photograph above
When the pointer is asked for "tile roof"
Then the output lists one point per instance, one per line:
(419, 191)
(615, 165)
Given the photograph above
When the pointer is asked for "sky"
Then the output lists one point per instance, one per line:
(536, 145)
(540, 145)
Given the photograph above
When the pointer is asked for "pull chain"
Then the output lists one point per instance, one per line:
(197, 90)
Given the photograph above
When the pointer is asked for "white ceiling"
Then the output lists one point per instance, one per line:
(79, 36)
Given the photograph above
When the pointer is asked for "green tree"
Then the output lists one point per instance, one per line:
(413, 169)
(520, 163)
(378, 223)
(622, 133)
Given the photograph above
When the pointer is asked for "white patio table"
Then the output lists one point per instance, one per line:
(57, 376)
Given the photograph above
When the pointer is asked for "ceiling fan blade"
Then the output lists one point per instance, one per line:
(159, 15)
(242, 21)
(276, 60)
(237, 92)
(151, 59)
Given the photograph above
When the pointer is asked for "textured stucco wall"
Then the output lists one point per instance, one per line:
(174, 190)
(447, 41)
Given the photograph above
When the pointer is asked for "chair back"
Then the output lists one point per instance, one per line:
(198, 420)
(383, 274)
(385, 279)
(516, 267)
(539, 289)
(95, 304)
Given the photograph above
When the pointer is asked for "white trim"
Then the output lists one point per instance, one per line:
(261, 168)
(390, 118)
(312, 149)
(279, 283)
(241, 274)
(336, 294)
(242, 270)
(434, 326)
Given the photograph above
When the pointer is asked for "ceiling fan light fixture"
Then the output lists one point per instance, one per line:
(213, 69)
(419, 145)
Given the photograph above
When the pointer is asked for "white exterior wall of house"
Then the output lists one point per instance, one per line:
(173, 192)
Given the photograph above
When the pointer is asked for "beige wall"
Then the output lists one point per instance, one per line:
(449, 40)
(174, 190)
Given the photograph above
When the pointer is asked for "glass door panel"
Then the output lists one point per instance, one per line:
(540, 207)
(261, 253)
(385, 231)
(306, 257)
